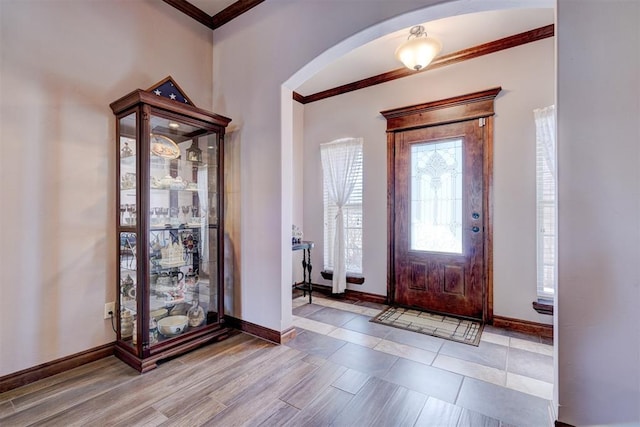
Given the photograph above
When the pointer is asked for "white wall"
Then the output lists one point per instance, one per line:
(598, 332)
(62, 63)
(302, 36)
(526, 75)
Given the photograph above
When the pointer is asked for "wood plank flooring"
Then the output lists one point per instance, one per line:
(245, 381)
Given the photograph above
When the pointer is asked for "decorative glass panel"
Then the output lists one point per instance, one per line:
(208, 292)
(436, 196)
(127, 127)
(128, 283)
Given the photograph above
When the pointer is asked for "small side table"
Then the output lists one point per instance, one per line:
(305, 286)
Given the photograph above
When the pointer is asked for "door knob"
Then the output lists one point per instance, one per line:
(475, 229)
(475, 215)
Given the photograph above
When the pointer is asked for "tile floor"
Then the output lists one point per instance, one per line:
(507, 379)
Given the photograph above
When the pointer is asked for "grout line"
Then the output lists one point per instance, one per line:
(506, 363)
(455, 402)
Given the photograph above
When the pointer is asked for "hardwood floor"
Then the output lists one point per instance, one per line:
(315, 380)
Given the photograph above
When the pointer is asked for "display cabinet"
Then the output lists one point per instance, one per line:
(170, 225)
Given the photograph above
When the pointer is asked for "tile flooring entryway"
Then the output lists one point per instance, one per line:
(507, 379)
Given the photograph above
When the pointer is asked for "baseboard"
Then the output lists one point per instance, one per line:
(561, 424)
(29, 375)
(288, 335)
(260, 331)
(525, 326)
(350, 294)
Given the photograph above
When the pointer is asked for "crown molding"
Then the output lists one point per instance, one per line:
(442, 61)
(219, 19)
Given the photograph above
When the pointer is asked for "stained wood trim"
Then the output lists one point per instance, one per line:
(150, 361)
(488, 218)
(233, 11)
(261, 331)
(140, 96)
(288, 335)
(483, 95)
(298, 97)
(459, 108)
(525, 326)
(219, 19)
(442, 61)
(391, 214)
(509, 42)
(450, 110)
(543, 307)
(29, 375)
(192, 12)
(350, 294)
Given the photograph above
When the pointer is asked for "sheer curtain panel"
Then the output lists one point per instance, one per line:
(340, 169)
(546, 135)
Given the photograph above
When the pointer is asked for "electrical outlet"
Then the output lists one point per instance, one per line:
(109, 307)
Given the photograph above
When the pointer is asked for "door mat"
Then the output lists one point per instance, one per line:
(451, 328)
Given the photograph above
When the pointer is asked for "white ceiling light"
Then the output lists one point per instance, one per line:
(418, 50)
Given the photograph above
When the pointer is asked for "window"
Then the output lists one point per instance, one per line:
(436, 196)
(546, 201)
(352, 209)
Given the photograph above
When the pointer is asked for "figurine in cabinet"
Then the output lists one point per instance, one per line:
(169, 174)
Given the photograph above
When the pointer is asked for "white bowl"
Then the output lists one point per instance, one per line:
(172, 325)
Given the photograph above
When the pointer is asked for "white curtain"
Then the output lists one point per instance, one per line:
(546, 135)
(340, 170)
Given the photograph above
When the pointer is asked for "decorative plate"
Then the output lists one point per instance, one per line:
(162, 146)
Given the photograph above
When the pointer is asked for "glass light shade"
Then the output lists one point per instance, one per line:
(417, 53)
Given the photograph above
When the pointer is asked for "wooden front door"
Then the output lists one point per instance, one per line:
(439, 168)
(439, 213)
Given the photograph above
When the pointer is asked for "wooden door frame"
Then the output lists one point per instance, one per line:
(472, 106)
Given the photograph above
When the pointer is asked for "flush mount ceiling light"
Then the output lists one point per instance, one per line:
(418, 50)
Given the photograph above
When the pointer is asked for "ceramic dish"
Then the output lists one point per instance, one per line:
(162, 146)
(172, 326)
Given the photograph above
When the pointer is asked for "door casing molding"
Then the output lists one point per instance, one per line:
(472, 106)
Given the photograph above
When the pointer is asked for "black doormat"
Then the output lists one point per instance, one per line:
(451, 328)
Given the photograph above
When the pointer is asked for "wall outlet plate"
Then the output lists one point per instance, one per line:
(109, 307)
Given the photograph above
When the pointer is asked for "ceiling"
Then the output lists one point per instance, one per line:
(377, 57)
(455, 33)
(212, 7)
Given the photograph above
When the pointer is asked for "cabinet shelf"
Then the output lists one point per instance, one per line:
(182, 227)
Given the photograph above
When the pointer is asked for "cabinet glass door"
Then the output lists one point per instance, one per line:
(182, 218)
(128, 275)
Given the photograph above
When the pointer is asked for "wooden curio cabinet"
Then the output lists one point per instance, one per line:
(170, 225)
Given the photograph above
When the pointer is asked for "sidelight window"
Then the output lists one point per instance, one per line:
(546, 201)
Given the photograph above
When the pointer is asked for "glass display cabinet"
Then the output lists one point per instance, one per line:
(170, 225)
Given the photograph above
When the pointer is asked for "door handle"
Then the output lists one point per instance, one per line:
(475, 215)
(475, 228)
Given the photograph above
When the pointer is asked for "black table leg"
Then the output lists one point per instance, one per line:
(306, 284)
(308, 251)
